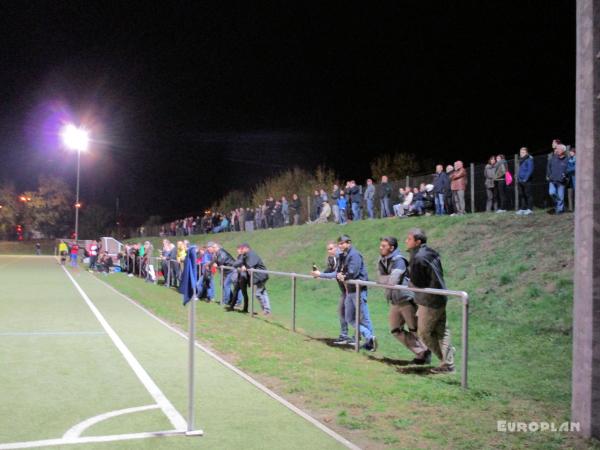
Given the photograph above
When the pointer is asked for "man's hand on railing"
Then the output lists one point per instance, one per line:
(316, 273)
(341, 277)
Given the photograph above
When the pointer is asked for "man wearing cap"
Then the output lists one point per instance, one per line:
(249, 259)
(426, 271)
(334, 258)
(353, 268)
(220, 257)
(393, 271)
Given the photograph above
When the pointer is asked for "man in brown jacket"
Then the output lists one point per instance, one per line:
(458, 184)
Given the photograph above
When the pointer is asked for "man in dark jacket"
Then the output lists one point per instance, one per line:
(295, 206)
(393, 271)
(441, 187)
(220, 258)
(250, 260)
(334, 262)
(524, 182)
(356, 196)
(385, 193)
(557, 176)
(426, 271)
(353, 267)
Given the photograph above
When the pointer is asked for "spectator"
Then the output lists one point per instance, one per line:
(458, 184)
(295, 206)
(318, 200)
(355, 199)
(335, 195)
(331, 271)
(571, 166)
(558, 178)
(441, 186)
(490, 176)
(370, 198)
(285, 210)
(449, 204)
(249, 220)
(500, 183)
(223, 225)
(426, 271)
(342, 206)
(353, 268)
(405, 197)
(417, 206)
(524, 182)
(251, 260)
(393, 271)
(385, 193)
(169, 263)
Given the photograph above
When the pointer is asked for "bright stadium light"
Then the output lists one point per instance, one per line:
(75, 138)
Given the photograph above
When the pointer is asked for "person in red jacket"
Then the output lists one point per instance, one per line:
(458, 184)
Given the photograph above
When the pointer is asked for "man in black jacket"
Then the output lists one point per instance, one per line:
(220, 257)
(295, 206)
(426, 271)
(385, 193)
(557, 176)
(249, 259)
(393, 271)
(441, 187)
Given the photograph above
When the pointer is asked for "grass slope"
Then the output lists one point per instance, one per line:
(518, 272)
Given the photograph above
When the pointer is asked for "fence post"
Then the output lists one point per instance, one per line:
(307, 208)
(407, 181)
(294, 302)
(357, 318)
(251, 293)
(516, 183)
(472, 188)
(465, 340)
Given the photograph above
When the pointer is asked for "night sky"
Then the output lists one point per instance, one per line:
(189, 100)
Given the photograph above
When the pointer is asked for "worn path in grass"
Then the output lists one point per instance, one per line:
(59, 368)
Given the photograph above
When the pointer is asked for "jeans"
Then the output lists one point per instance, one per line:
(263, 297)
(370, 210)
(365, 328)
(342, 216)
(335, 209)
(206, 288)
(490, 203)
(355, 211)
(557, 192)
(439, 204)
(342, 315)
(93, 259)
(386, 210)
(458, 197)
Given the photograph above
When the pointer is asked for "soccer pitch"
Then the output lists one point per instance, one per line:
(83, 366)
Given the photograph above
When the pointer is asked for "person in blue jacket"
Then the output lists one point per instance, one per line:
(557, 176)
(571, 163)
(524, 182)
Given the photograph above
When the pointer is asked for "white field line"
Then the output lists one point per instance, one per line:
(77, 430)
(172, 414)
(53, 333)
(89, 439)
(342, 440)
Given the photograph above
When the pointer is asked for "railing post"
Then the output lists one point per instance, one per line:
(294, 302)
(168, 266)
(251, 293)
(465, 341)
(472, 187)
(357, 318)
(308, 217)
(516, 183)
(407, 181)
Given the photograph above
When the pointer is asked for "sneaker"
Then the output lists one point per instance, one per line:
(520, 212)
(527, 212)
(371, 345)
(500, 211)
(351, 342)
(423, 361)
(341, 340)
(444, 368)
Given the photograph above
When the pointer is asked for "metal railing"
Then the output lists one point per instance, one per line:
(464, 296)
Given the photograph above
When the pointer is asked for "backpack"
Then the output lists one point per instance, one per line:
(508, 178)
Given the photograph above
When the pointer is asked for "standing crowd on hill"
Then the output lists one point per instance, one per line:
(443, 195)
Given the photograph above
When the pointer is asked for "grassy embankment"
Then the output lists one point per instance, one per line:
(518, 272)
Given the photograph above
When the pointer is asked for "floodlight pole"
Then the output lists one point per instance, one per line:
(77, 197)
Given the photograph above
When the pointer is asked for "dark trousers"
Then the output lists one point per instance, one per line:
(243, 287)
(500, 193)
(525, 197)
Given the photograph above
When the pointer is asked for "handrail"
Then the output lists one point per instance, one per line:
(464, 296)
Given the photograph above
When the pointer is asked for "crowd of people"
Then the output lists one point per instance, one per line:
(444, 194)
(417, 320)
